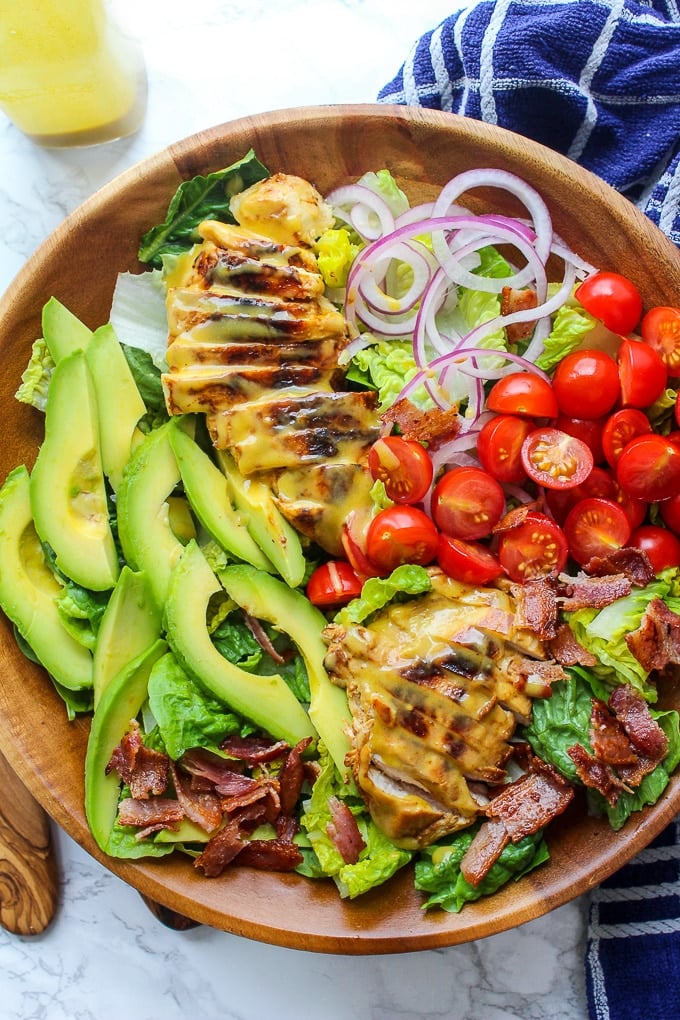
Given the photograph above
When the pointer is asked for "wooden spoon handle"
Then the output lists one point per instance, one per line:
(28, 872)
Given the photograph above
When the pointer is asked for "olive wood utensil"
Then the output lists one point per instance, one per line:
(28, 873)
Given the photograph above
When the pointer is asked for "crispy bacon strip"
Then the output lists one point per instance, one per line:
(514, 300)
(150, 815)
(221, 849)
(537, 608)
(566, 650)
(434, 427)
(201, 806)
(292, 776)
(270, 855)
(634, 563)
(608, 739)
(596, 774)
(254, 750)
(583, 592)
(656, 642)
(643, 731)
(144, 770)
(487, 845)
(344, 831)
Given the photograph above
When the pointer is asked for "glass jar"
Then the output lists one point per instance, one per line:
(69, 74)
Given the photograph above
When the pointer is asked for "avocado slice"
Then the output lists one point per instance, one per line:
(144, 529)
(121, 701)
(119, 404)
(267, 598)
(68, 494)
(276, 538)
(266, 700)
(130, 624)
(206, 489)
(28, 588)
(63, 331)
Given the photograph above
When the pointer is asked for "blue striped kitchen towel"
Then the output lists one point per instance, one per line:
(599, 81)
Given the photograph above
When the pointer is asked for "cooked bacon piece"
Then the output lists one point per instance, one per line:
(220, 850)
(519, 810)
(200, 805)
(513, 300)
(270, 855)
(254, 749)
(344, 831)
(537, 606)
(144, 770)
(487, 845)
(583, 592)
(434, 427)
(643, 731)
(264, 790)
(513, 518)
(534, 675)
(150, 815)
(634, 563)
(656, 642)
(292, 776)
(566, 650)
(262, 638)
(596, 774)
(608, 739)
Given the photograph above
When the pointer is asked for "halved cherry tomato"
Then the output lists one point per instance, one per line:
(613, 299)
(403, 466)
(634, 509)
(660, 544)
(649, 468)
(595, 527)
(523, 393)
(620, 428)
(599, 483)
(499, 447)
(588, 430)
(401, 534)
(534, 548)
(670, 513)
(333, 584)
(586, 384)
(467, 503)
(555, 459)
(642, 372)
(469, 562)
(660, 328)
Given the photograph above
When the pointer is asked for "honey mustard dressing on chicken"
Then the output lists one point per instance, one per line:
(435, 701)
(254, 345)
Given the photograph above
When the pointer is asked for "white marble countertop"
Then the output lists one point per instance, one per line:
(105, 956)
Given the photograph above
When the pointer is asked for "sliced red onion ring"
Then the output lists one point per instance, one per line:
(365, 206)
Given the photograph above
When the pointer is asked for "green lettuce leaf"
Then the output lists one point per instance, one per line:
(148, 381)
(185, 715)
(570, 325)
(407, 579)
(195, 200)
(383, 183)
(35, 379)
(438, 871)
(81, 611)
(379, 859)
(138, 314)
(335, 253)
(386, 366)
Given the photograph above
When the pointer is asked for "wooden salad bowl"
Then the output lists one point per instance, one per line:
(78, 264)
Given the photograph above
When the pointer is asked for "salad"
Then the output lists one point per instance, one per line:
(351, 588)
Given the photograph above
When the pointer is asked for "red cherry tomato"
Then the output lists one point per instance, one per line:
(660, 328)
(586, 384)
(401, 534)
(677, 410)
(619, 429)
(670, 513)
(634, 509)
(467, 503)
(499, 447)
(588, 430)
(599, 483)
(469, 562)
(649, 468)
(404, 467)
(612, 299)
(556, 460)
(333, 584)
(523, 393)
(532, 549)
(642, 372)
(595, 527)
(660, 544)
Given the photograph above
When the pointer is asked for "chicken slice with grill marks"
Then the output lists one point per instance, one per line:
(433, 708)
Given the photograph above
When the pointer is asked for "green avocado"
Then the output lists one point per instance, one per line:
(267, 598)
(276, 538)
(120, 702)
(119, 405)
(130, 624)
(68, 493)
(144, 528)
(206, 488)
(266, 700)
(63, 331)
(28, 588)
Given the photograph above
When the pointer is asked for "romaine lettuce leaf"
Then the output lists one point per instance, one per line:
(407, 579)
(195, 200)
(386, 366)
(383, 183)
(570, 325)
(335, 253)
(438, 871)
(138, 314)
(81, 611)
(35, 379)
